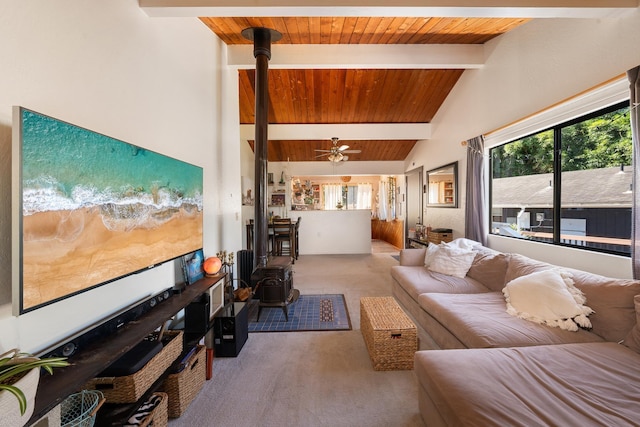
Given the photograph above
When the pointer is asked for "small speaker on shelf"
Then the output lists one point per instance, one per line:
(197, 316)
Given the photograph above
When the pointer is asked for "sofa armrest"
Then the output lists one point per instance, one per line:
(412, 257)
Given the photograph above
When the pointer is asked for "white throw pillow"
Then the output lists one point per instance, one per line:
(548, 297)
(464, 243)
(452, 261)
(432, 248)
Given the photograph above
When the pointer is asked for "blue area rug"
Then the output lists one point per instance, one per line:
(326, 312)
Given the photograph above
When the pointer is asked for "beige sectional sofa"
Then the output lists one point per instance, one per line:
(493, 368)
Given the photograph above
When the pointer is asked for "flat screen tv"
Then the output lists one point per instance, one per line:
(89, 209)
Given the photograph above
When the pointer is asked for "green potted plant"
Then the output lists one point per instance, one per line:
(19, 377)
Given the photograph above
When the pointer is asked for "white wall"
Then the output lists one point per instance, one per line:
(531, 68)
(106, 66)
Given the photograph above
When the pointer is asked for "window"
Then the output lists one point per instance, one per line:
(579, 197)
(352, 196)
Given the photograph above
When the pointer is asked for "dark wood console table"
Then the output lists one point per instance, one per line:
(416, 243)
(92, 360)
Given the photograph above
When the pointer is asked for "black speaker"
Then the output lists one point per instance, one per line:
(196, 316)
(231, 330)
(105, 327)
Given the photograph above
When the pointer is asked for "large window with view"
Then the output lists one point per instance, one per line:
(568, 185)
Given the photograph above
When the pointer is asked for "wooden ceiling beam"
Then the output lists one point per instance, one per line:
(367, 131)
(440, 8)
(410, 56)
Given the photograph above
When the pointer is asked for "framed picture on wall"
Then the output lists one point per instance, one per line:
(277, 199)
(192, 266)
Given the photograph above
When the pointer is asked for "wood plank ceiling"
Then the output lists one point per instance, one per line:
(354, 96)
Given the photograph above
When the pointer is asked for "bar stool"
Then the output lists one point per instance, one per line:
(283, 235)
(296, 238)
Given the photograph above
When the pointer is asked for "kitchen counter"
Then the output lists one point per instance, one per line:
(334, 231)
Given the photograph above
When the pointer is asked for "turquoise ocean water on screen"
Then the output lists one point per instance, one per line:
(66, 167)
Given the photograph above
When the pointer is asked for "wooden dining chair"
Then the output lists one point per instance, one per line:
(283, 235)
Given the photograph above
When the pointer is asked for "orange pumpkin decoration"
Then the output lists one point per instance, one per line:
(212, 265)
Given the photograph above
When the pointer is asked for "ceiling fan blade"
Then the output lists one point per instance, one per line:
(324, 151)
(343, 147)
(352, 151)
(322, 155)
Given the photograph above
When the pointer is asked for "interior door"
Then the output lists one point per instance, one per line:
(414, 200)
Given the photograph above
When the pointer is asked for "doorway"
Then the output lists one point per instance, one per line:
(414, 205)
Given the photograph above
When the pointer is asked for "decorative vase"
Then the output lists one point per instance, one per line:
(9, 407)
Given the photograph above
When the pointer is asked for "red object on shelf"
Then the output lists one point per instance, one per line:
(210, 356)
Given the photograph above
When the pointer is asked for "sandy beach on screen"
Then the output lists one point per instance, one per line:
(60, 247)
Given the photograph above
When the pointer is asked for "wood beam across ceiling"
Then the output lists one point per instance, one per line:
(443, 8)
(368, 131)
(411, 56)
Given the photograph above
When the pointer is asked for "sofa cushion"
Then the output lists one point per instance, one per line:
(489, 268)
(481, 320)
(418, 280)
(452, 260)
(565, 385)
(412, 256)
(547, 297)
(633, 338)
(611, 299)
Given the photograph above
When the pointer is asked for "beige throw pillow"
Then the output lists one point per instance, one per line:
(633, 338)
(452, 261)
(549, 298)
(489, 268)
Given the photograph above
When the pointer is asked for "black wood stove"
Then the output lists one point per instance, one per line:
(271, 278)
(273, 285)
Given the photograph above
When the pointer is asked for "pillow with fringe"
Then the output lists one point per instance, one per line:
(548, 297)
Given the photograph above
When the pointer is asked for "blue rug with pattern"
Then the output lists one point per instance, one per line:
(327, 312)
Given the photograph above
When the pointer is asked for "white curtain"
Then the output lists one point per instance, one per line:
(383, 200)
(332, 195)
(364, 196)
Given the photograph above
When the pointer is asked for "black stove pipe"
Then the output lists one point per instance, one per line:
(262, 38)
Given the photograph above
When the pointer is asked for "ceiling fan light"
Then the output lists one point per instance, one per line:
(335, 157)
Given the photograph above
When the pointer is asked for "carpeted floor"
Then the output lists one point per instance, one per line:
(312, 379)
(309, 313)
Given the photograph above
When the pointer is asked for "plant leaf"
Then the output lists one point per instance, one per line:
(22, 399)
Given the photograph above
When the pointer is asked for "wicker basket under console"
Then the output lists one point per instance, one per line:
(182, 387)
(129, 388)
(390, 335)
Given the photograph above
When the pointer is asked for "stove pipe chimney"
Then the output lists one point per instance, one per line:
(262, 38)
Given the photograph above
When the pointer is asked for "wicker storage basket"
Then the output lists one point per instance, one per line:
(390, 335)
(183, 386)
(159, 417)
(438, 237)
(128, 389)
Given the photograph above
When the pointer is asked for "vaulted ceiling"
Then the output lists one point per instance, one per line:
(370, 75)
(353, 96)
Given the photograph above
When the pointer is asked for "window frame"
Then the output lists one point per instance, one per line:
(557, 176)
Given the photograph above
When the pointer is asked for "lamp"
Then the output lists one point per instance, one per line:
(335, 157)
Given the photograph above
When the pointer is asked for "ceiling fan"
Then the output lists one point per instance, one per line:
(336, 153)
